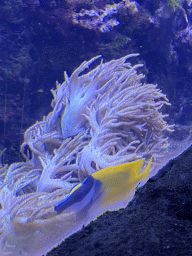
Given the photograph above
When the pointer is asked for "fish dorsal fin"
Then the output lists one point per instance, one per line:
(133, 167)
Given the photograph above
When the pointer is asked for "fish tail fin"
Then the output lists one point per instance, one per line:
(145, 173)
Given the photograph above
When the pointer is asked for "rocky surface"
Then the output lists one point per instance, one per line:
(157, 222)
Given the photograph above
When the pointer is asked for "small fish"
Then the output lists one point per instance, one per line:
(108, 186)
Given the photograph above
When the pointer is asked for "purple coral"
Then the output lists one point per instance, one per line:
(99, 119)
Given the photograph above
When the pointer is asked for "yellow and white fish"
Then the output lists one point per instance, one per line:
(108, 189)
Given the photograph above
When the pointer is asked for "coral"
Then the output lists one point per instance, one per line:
(94, 15)
(180, 4)
(102, 20)
(123, 126)
(101, 118)
(185, 36)
(177, 3)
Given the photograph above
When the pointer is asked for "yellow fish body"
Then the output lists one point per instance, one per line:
(121, 180)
